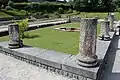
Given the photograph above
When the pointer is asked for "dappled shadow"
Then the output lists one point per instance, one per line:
(30, 36)
(26, 46)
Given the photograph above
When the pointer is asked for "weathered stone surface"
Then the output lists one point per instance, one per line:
(118, 28)
(13, 69)
(14, 36)
(75, 19)
(71, 66)
(89, 79)
(88, 35)
(29, 52)
(52, 58)
(104, 30)
(101, 49)
(68, 64)
(111, 19)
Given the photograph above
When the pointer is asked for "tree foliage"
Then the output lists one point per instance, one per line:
(95, 4)
(4, 3)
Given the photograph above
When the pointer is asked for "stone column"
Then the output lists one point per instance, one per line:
(118, 28)
(111, 19)
(14, 36)
(69, 19)
(104, 30)
(87, 47)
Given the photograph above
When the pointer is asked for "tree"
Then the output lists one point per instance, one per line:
(4, 3)
(77, 5)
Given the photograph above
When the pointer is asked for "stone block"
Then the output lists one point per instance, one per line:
(29, 52)
(52, 58)
(71, 66)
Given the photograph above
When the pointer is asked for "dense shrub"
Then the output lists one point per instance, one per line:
(57, 15)
(118, 10)
(23, 25)
(38, 15)
(10, 3)
(23, 11)
(60, 10)
(8, 8)
(46, 16)
(70, 11)
(43, 6)
(15, 12)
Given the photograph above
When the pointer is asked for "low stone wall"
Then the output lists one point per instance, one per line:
(51, 60)
(83, 66)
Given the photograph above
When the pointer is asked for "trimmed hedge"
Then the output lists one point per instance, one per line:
(43, 6)
(15, 12)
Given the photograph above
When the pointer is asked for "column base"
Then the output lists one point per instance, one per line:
(112, 30)
(86, 64)
(101, 37)
(13, 44)
(107, 39)
(86, 61)
(13, 47)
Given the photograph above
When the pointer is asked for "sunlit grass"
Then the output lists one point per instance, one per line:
(48, 38)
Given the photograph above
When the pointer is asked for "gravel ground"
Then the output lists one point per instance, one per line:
(13, 69)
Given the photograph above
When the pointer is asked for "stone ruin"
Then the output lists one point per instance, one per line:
(85, 64)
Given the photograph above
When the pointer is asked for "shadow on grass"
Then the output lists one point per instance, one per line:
(30, 36)
(27, 46)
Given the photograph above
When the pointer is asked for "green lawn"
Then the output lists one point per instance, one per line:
(48, 38)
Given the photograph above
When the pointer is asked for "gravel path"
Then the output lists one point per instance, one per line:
(13, 69)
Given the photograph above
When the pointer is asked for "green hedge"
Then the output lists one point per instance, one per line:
(15, 12)
(43, 6)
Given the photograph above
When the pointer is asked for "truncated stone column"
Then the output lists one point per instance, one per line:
(107, 29)
(14, 36)
(88, 35)
(118, 28)
(104, 30)
(111, 19)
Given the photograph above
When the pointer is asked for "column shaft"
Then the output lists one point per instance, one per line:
(87, 47)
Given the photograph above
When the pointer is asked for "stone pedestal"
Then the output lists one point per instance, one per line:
(118, 29)
(69, 19)
(87, 47)
(14, 36)
(111, 19)
(104, 30)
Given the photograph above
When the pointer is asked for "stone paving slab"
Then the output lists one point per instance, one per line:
(52, 58)
(44, 56)
(13, 69)
(29, 52)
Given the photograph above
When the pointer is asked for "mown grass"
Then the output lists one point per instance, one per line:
(48, 38)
